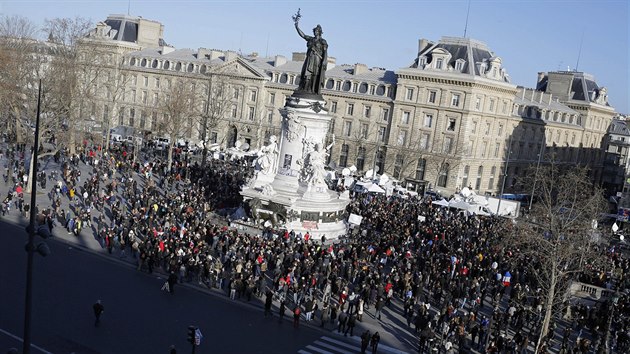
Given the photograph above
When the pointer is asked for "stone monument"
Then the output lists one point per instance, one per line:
(289, 187)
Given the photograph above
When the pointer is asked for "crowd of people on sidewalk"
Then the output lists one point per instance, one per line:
(444, 272)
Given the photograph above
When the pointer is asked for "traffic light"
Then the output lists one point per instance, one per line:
(40, 247)
(191, 334)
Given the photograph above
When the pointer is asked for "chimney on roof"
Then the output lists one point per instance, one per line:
(359, 69)
(202, 53)
(230, 55)
(279, 60)
(214, 54)
(422, 43)
(298, 56)
(332, 62)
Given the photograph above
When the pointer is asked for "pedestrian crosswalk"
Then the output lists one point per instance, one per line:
(328, 345)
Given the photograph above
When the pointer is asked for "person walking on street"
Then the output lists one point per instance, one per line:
(172, 280)
(98, 310)
(282, 308)
(268, 302)
(374, 342)
(365, 341)
(325, 316)
(352, 321)
(296, 316)
(379, 307)
(343, 319)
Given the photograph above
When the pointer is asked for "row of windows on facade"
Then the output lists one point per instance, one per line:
(554, 116)
(283, 78)
(410, 96)
(335, 84)
(236, 91)
(169, 65)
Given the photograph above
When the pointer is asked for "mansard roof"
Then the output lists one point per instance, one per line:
(475, 57)
(619, 127)
(581, 87)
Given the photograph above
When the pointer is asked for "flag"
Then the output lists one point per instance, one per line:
(506, 279)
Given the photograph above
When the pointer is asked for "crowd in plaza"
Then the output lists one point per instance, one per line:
(443, 271)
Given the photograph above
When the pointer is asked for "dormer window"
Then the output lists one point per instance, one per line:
(459, 65)
(439, 63)
(422, 61)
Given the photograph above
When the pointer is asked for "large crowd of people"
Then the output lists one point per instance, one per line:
(442, 271)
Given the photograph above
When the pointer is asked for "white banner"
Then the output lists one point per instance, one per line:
(355, 219)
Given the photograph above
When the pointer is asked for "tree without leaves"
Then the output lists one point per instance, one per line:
(364, 143)
(180, 105)
(557, 241)
(218, 103)
(21, 59)
(71, 78)
(444, 159)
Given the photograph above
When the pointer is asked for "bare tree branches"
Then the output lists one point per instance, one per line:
(557, 238)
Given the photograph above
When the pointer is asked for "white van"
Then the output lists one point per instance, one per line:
(162, 143)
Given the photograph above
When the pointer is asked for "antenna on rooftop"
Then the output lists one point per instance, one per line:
(467, 14)
(128, 7)
(267, 48)
(579, 51)
(240, 45)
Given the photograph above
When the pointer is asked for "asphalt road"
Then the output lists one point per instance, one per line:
(138, 317)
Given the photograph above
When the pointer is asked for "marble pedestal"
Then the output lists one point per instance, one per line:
(288, 188)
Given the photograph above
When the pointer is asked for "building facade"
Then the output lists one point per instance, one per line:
(452, 119)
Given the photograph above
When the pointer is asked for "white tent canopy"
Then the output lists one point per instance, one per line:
(441, 202)
(374, 188)
(459, 204)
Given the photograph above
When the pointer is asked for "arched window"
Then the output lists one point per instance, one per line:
(191, 67)
(420, 168)
(465, 176)
(363, 87)
(143, 63)
(443, 175)
(167, 65)
(330, 84)
(132, 62)
(178, 67)
(478, 182)
(284, 78)
(154, 64)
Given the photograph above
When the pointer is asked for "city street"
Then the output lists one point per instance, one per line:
(138, 317)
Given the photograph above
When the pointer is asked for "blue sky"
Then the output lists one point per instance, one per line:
(529, 35)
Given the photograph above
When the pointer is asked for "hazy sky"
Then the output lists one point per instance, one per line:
(529, 35)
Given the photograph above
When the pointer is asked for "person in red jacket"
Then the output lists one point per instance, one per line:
(296, 316)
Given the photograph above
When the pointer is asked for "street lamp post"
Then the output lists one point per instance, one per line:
(540, 153)
(28, 300)
(505, 173)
